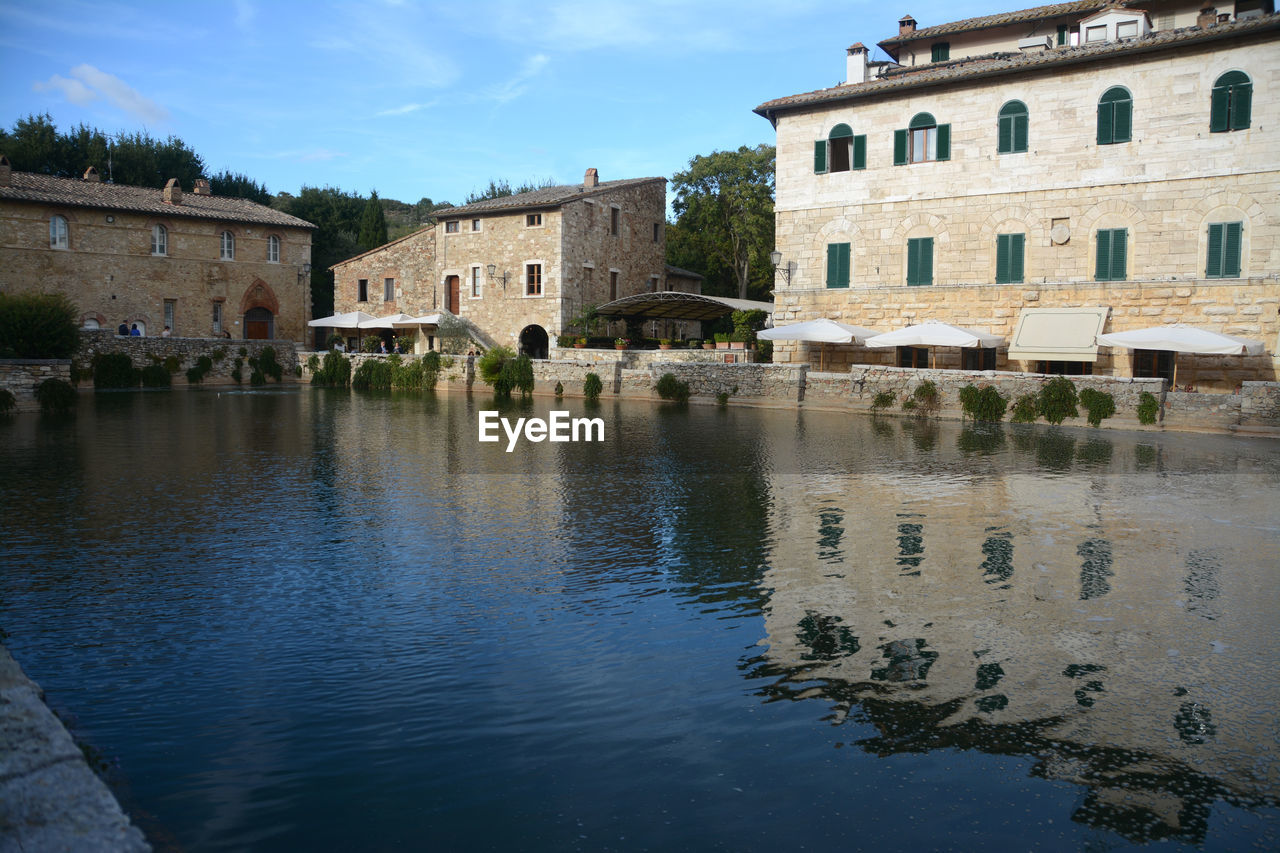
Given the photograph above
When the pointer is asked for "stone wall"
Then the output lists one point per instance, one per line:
(146, 351)
(21, 376)
(641, 357)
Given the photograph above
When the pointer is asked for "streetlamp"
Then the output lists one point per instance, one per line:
(493, 274)
(775, 257)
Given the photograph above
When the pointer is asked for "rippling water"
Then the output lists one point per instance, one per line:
(310, 620)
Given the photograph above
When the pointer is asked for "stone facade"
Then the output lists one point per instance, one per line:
(224, 353)
(554, 252)
(22, 376)
(1164, 187)
(94, 242)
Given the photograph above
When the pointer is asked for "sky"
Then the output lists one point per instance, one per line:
(430, 99)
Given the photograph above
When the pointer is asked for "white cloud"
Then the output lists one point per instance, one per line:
(517, 85)
(90, 84)
(405, 110)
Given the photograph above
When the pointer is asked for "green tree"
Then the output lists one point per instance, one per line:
(140, 160)
(501, 188)
(236, 185)
(34, 146)
(336, 215)
(724, 219)
(373, 224)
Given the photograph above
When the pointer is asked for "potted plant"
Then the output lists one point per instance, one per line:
(737, 341)
(579, 342)
(664, 343)
(709, 344)
(694, 343)
(620, 343)
(722, 340)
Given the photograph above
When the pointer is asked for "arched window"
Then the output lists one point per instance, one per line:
(227, 249)
(1115, 116)
(922, 140)
(59, 237)
(840, 151)
(273, 249)
(1232, 99)
(159, 240)
(1013, 128)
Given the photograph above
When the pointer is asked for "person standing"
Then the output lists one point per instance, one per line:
(123, 329)
(134, 331)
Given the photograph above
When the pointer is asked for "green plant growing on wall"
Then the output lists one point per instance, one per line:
(155, 376)
(244, 353)
(313, 362)
(196, 374)
(516, 375)
(172, 364)
(925, 397)
(7, 401)
(670, 388)
(218, 354)
(373, 375)
(722, 399)
(489, 365)
(1025, 410)
(983, 404)
(1057, 400)
(592, 386)
(559, 390)
(236, 373)
(883, 400)
(56, 396)
(1099, 404)
(432, 363)
(1148, 408)
(268, 364)
(335, 371)
(114, 370)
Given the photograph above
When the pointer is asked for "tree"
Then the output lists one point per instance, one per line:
(724, 218)
(501, 188)
(235, 185)
(336, 215)
(373, 224)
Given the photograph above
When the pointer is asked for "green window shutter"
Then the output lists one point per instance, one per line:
(860, 151)
(1119, 237)
(1241, 105)
(1220, 109)
(941, 51)
(1231, 249)
(1020, 132)
(1102, 265)
(845, 265)
(837, 265)
(1105, 121)
(1016, 254)
(1062, 35)
(1213, 264)
(1005, 139)
(820, 157)
(900, 147)
(1002, 258)
(926, 260)
(1123, 121)
(944, 142)
(920, 261)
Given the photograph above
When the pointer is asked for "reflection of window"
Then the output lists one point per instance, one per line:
(837, 265)
(1115, 116)
(1224, 250)
(159, 240)
(1231, 105)
(1112, 243)
(1012, 137)
(227, 246)
(922, 140)
(58, 234)
(533, 280)
(273, 249)
(920, 261)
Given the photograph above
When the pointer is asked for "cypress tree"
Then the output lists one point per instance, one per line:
(373, 225)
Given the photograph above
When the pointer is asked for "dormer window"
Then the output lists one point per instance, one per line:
(1114, 24)
(1094, 35)
(1126, 30)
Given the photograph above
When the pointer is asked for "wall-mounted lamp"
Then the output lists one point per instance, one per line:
(776, 259)
(493, 274)
(304, 272)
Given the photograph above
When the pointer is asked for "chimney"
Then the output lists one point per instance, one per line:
(591, 179)
(856, 64)
(1207, 17)
(173, 192)
(91, 175)
(906, 26)
(6, 171)
(202, 187)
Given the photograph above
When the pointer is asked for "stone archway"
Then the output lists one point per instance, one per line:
(534, 342)
(259, 308)
(259, 324)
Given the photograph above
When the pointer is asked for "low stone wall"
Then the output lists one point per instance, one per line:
(146, 351)
(454, 369)
(638, 358)
(21, 376)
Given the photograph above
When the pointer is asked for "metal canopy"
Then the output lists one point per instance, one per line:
(677, 305)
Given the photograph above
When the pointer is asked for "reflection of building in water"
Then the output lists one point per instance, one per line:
(1063, 616)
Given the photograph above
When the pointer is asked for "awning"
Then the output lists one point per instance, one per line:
(424, 320)
(934, 334)
(384, 322)
(1058, 334)
(677, 305)
(821, 330)
(350, 320)
(1182, 338)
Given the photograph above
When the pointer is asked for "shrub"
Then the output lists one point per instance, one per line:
(1148, 408)
(1099, 404)
(114, 370)
(489, 365)
(517, 375)
(592, 387)
(670, 388)
(883, 400)
(155, 376)
(565, 341)
(559, 390)
(7, 402)
(926, 396)
(57, 395)
(268, 365)
(371, 344)
(218, 354)
(1057, 400)
(236, 373)
(257, 377)
(983, 404)
(244, 353)
(373, 375)
(336, 370)
(334, 340)
(313, 362)
(722, 398)
(1024, 410)
(38, 325)
(172, 364)
(431, 364)
(196, 374)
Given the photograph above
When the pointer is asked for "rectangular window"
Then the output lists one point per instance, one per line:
(1153, 364)
(1127, 30)
(273, 249)
(920, 261)
(362, 290)
(615, 221)
(475, 225)
(475, 282)
(170, 308)
(1062, 35)
(1010, 250)
(58, 238)
(388, 290)
(922, 144)
(533, 220)
(613, 285)
(217, 318)
(913, 357)
(656, 227)
(159, 240)
(941, 51)
(1112, 243)
(837, 265)
(978, 358)
(533, 280)
(1092, 35)
(1223, 256)
(451, 227)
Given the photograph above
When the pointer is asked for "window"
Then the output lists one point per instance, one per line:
(533, 220)
(362, 290)
(615, 221)
(1232, 101)
(1115, 116)
(978, 358)
(920, 261)
(613, 285)
(451, 227)
(1127, 30)
(58, 235)
(1093, 35)
(1062, 35)
(656, 230)
(653, 284)
(1153, 364)
(913, 357)
(217, 318)
(159, 240)
(1111, 254)
(840, 151)
(1065, 368)
(273, 249)
(837, 265)
(475, 282)
(388, 290)
(170, 309)
(923, 140)
(475, 225)
(1224, 250)
(1009, 254)
(533, 280)
(941, 51)
(227, 246)
(1013, 128)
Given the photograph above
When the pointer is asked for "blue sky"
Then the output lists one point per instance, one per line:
(430, 99)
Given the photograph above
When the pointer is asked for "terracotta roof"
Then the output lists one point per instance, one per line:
(69, 192)
(1038, 13)
(540, 198)
(977, 67)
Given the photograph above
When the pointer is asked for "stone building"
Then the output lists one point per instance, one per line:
(1117, 160)
(519, 269)
(203, 265)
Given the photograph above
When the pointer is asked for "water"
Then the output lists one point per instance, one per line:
(298, 619)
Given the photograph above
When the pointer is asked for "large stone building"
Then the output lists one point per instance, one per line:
(519, 269)
(203, 265)
(1120, 161)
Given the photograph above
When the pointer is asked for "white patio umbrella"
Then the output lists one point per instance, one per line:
(821, 331)
(350, 320)
(424, 320)
(934, 334)
(386, 322)
(1180, 337)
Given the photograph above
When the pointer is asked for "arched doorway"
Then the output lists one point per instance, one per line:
(453, 286)
(534, 342)
(259, 324)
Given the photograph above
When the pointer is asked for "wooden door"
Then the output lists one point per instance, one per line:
(453, 283)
